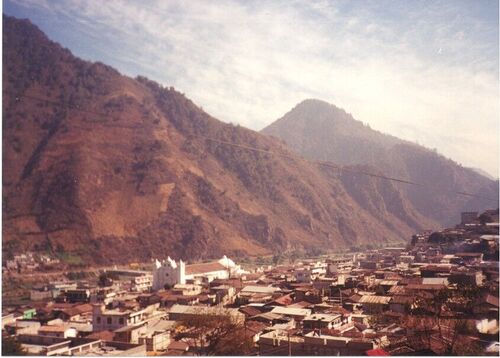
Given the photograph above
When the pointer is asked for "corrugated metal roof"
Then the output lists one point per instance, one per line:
(388, 282)
(371, 299)
(204, 268)
(322, 317)
(291, 311)
(260, 289)
(435, 281)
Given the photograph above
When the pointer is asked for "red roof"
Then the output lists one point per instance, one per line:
(377, 352)
(492, 300)
(102, 335)
(250, 311)
(178, 346)
(204, 268)
(284, 300)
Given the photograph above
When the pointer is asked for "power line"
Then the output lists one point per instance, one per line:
(331, 165)
(57, 103)
(266, 151)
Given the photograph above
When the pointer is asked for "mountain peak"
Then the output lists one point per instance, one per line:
(321, 131)
(314, 107)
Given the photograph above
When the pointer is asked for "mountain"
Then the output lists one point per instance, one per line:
(484, 173)
(103, 168)
(321, 131)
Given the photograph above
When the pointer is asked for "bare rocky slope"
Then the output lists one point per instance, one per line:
(319, 130)
(112, 169)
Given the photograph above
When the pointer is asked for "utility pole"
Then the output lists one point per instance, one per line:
(289, 345)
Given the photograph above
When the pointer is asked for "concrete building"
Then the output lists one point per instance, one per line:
(320, 321)
(112, 319)
(61, 331)
(182, 312)
(468, 217)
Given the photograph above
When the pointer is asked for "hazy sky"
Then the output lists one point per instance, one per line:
(426, 71)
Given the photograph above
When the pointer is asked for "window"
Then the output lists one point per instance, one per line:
(120, 320)
(109, 320)
(98, 319)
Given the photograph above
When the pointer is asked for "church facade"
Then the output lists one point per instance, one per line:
(169, 272)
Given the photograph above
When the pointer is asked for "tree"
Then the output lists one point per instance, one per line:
(277, 259)
(433, 321)
(11, 347)
(485, 218)
(216, 332)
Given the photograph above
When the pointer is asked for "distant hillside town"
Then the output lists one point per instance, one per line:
(436, 296)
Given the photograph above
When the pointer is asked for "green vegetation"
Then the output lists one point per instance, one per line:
(15, 291)
(73, 275)
(70, 258)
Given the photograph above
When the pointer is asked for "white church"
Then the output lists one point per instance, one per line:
(169, 272)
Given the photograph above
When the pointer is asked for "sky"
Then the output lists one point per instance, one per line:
(426, 71)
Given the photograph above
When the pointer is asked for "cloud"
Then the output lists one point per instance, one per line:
(430, 66)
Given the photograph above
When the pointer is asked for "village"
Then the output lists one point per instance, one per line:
(437, 295)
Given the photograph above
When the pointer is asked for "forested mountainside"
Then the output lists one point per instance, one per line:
(112, 169)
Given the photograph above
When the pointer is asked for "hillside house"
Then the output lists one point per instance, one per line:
(322, 321)
(61, 331)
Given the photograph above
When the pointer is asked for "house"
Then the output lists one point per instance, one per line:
(249, 311)
(321, 321)
(255, 329)
(339, 265)
(75, 313)
(270, 318)
(186, 289)
(470, 257)
(284, 300)
(22, 327)
(303, 275)
(466, 277)
(437, 270)
(224, 294)
(313, 343)
(8, 318)
(468, 217)
(374, 304)
(487, 306)
(369, 265)
(51, 346)
(40, 294)
(254, 293)
(61, 331)
(142, 283)
(131, 333)
(76, 295)
(181, 312)
(112, 319)
(401, 303)
(157, 335)
(156, 341)
(296, 313)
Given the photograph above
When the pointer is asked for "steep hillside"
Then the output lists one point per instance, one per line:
(112, 169)
(319, 130)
